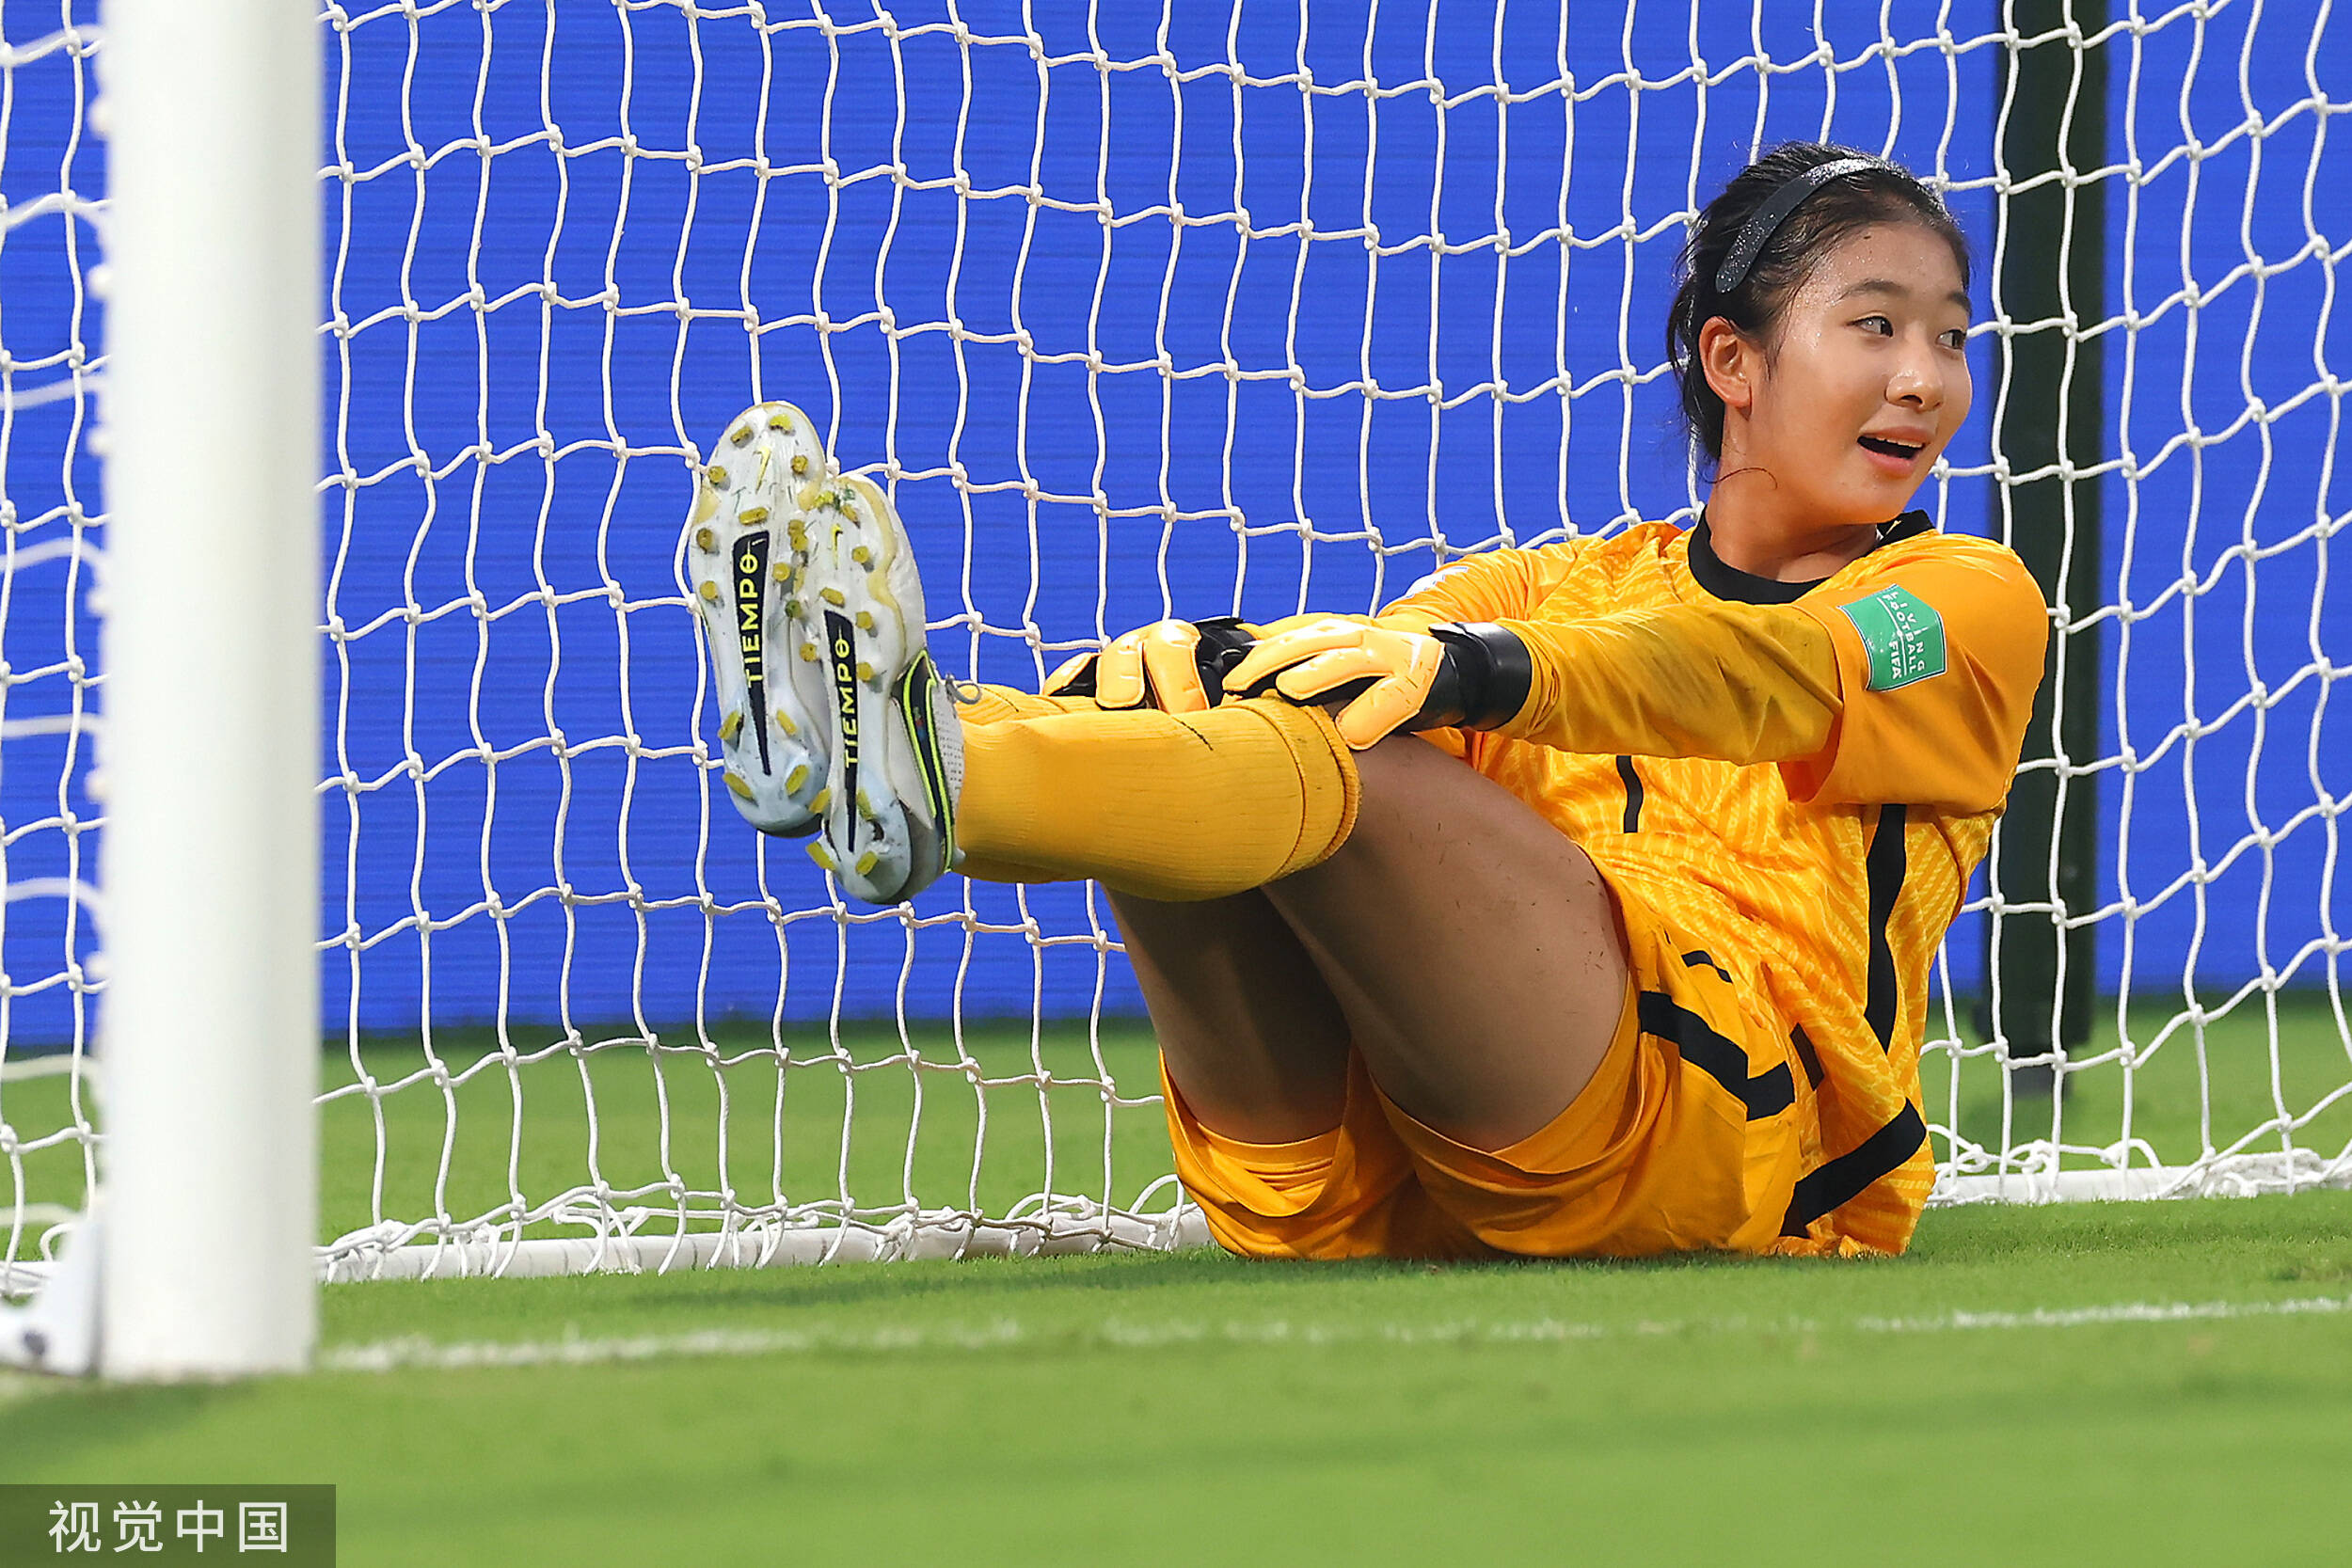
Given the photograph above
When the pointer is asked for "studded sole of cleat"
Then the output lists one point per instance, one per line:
(739, 559)
(862, 609)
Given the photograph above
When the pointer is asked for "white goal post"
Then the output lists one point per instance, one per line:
(209, 747)
(406, 741)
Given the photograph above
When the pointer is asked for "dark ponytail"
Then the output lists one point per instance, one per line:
(1844, 204)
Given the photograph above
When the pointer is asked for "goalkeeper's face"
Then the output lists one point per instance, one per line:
(1867, 379)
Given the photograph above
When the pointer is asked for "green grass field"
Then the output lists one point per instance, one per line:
(2144, 1384)
(1194, 1409)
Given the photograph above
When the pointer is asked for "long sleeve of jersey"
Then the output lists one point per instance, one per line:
(1740, 682)
(1908, 679)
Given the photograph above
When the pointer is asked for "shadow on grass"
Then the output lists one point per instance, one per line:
(977, 1286)
(70, 1417)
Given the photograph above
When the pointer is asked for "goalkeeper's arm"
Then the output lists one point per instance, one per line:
(1818, 689)
(1914, 685)
(1742, 683)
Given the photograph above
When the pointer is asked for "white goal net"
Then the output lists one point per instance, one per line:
(1137, 310)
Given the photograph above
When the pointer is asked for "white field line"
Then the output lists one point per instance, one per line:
(572, 1350)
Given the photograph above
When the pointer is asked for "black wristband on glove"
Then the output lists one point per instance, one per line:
(1483, 683)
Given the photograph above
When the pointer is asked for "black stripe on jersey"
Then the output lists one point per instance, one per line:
(1836, 1181)
(1805, 1054)
(1693, 959)
(1717, 1056)
(1888, 864)
(1632, 794)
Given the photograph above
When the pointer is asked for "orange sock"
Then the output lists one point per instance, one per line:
(1165, 806)
(995, 703)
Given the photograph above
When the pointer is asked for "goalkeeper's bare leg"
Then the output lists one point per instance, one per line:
(1248, 1027)
(1468, 950)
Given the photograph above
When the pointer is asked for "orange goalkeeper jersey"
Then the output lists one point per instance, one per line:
(1802, 774)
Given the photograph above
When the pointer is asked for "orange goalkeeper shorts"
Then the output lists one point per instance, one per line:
(1686, 1139)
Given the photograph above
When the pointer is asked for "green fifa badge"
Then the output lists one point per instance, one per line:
(1902, 634)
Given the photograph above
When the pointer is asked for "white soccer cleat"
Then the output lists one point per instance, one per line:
(833, 719)
(736, 575)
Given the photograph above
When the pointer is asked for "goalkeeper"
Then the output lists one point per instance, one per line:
(1580, 903)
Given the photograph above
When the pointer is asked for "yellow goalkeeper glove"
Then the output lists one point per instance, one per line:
(1393, 674)
(1171, 665)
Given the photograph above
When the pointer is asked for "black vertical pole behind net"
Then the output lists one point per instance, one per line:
(2053, 268)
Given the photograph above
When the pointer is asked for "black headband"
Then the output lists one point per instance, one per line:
(1766, 220)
